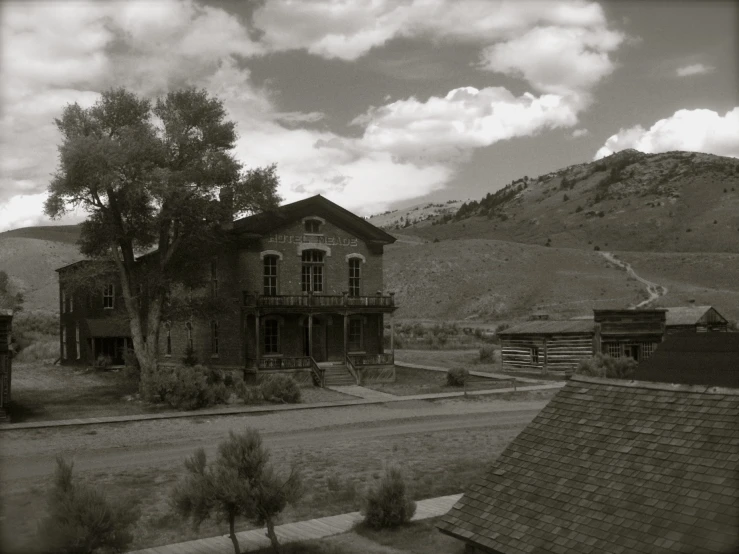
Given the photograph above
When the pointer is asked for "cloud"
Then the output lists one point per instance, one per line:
(577, 133)
(691, 130)
(449, 128)
(349, 30)
(560, 60)
(694, 69)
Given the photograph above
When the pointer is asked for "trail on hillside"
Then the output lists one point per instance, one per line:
(653, 289)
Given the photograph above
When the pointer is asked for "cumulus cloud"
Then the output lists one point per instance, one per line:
(693, 130)
(694, 69)
(466, 118)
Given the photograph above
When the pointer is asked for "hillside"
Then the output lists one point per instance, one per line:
(30, 264)
(67, 234)
(397, 219)
(630, 201)
(498, 281)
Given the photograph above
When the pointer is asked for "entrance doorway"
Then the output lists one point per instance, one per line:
(633, 351)
(319, 347)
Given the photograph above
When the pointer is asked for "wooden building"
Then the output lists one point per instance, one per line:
(612, 466)
(695, 318)
(543, 345)
(6, 355)
(628, 332)
(305, 286)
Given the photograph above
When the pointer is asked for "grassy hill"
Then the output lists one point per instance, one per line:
(630, 201)
(397, 219)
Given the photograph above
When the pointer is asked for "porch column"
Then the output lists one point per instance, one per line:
(545, 355)
(346, 333)
(392, 336)
(310, 335)
(256, 344)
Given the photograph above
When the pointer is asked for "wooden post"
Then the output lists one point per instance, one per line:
(346, 333)
(545, 355)
(310, 335)
(392, 337)
(256, 344)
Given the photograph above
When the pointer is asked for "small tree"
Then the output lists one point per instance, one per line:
(240, 483)
(388, 505)
(81, 520)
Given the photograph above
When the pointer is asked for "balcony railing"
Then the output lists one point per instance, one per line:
(298, 362)
(359, 360)
(319, 301)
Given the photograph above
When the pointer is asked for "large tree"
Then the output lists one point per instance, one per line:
(157, 178)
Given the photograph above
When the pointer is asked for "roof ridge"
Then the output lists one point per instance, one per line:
(673, 387)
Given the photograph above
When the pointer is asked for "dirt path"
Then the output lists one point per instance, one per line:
(30, 455)
(653, 289)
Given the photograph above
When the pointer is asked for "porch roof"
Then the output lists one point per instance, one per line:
(109, 327)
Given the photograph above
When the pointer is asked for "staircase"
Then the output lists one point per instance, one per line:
(336, 374)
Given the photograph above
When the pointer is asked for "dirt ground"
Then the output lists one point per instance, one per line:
(442, 446)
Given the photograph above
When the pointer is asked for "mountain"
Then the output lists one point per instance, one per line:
(397, 219)
(671, 202)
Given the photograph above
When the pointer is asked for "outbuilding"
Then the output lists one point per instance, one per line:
(695, 318)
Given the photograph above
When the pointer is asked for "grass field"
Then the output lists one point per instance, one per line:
(42, 391)
(410, 381)
(335, 478)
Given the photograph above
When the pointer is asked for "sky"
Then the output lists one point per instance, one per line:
(379, 104)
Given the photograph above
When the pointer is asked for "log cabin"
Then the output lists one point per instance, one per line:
(305, 283)
(6, 355)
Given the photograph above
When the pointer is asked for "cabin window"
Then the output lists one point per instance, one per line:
(168, 350)
(312, 272)
(647, 350)
(270, 275)
(271, 336)
(188, 328)
(64, 343)
(534, 354)
(214, 338)
(78, 351)
(214, 277)
(108, 296)
(613, 349)
(355, 276)
(312, 226)
(355, 334)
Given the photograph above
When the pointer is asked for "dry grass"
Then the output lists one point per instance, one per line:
(42, 391)
(420, 381)
(448, 359)
(335, 478)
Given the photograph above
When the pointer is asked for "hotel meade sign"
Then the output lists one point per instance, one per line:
(313, 239)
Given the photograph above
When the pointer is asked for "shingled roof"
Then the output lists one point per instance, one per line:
(688, 315)
(613, 466)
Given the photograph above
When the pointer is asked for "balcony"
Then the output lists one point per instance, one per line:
(320, 302)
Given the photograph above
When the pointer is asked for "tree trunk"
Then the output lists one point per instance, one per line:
(272, 536)
(232, 533)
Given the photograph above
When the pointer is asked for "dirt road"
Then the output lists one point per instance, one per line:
(653, 289)
(31, 454)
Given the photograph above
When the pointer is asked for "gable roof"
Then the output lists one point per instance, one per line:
(688, 315)
(271, 220)
(710, 359)
(613, 466)
(548, 327)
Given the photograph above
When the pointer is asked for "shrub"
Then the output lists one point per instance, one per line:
(103, 361)
(184, 387)
(80, 518)
(44, 350)
(388, 505)
(456, 377)
(596, 248)
(240, 483)
(281, 389)
(578, 209)
(487, 354)
(606, 366)
(190, 359)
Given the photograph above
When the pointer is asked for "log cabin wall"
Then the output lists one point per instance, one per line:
(545, 352)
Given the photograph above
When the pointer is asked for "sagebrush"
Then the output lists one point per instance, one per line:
(457, 376)
(388, 505)
(608, 367)
(280, 388)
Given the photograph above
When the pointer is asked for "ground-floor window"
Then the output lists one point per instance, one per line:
(64, 343)
(271, 336)
(188, 328)
(168, 327)
(613, 349)
(647, 350)
(534, 354)
(78, 349)
(214, 338)
(355, 334)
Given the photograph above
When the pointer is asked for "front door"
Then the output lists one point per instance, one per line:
(318, 348)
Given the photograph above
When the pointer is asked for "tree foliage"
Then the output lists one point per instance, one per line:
(158, 178)
(239, 483)
(81, 520)
(8, 300)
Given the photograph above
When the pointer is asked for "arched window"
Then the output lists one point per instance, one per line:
(312, 273)
(270, 275)
(355, 276)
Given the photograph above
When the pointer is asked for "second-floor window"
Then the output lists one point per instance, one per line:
(270, 275)
(354, 276)
(108, 296)
(312, 226)
(312, 273)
